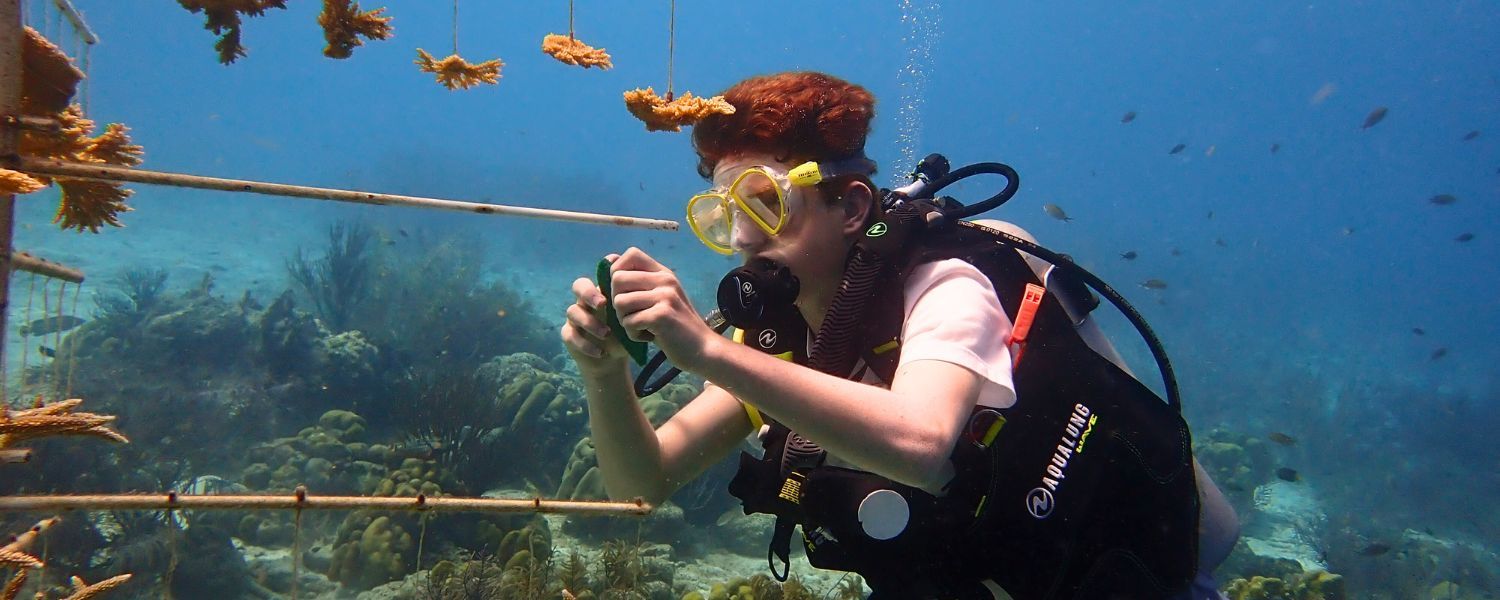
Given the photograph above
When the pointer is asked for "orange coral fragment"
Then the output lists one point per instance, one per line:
(224, 21)
(16, 182)
(48, 79)
(454, 72)
(343, 23)
(53, 419)
(571, 51)
(85, 204)
(84, 591)
(659, 114)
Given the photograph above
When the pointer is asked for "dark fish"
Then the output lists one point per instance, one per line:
(1129, 116)
(1347, 231)
(1282, 438)
(1210, 215)
(1178, 148)
(1176, 252)
(1464, 237)
(1154, 284)
(1443, 199)
(50, 325)
(1471, 135)
(1439, 353)
(402, 232)
(1220, 243)
(1288, 474)
(1275, 147)
(1128, 255)
(47, 352)
(1374, 117)
(1056, 212)
(1419, 331)
(1375, 549)
(641, 185)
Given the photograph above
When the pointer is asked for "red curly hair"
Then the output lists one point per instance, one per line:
(794, 116)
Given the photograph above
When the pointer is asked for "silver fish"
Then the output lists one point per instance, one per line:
(52, 324)
(1154, 284)
(1056, 212)
(1374, 117)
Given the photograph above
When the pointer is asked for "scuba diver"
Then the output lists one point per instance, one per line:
(938, 411)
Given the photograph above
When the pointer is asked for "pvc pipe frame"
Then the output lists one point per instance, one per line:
(97, 172)
(301, 500)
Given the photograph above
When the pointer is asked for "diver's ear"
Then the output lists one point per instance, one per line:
(858, 203)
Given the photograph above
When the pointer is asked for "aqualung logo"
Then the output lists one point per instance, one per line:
(747, 293)
(1040, 500)
(767, 338)
(877, 230)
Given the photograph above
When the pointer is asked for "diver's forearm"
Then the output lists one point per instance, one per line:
(624, 441)
(874, 428)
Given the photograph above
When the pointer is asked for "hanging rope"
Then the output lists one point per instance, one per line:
(57, 336)
(26, 335)
(570, 19)
(455, 26)
(72, 352)
(671, 46)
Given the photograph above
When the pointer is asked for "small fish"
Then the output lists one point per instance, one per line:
(501, 313)
(1323, 93)
(1210, 215)
(1443, 199)
(1471, 135)
(1275, 147)
(50, 325)
(641, 185)
(1154, 284)
(728, 517)
(1128, 255)
(47, 352)
(1419, 331)
(1464, 237)
(1210, 151)
(1288, 474)
(1439, 353)
(1374, 117)
(1282, 438)
(1220, 243)
(1178, 148)
(402, 232)
(1129, 116)
(1347, 231)
(1375, 549)
(1056, 212)
(1176, 251)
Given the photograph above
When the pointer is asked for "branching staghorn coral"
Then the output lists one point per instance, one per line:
(85, 204)
(454, 72)
(343, 23)
(58, 418)
(667, 114)
(14, 555)
(49, 79)
(571, 51)
(224, 21)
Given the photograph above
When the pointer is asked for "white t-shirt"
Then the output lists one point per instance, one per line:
(953, 315)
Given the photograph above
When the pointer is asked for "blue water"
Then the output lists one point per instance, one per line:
(1299, 275)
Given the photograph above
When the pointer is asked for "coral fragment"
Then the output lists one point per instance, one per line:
(661, 114)
(224, 21)
(344, 23)
(48, 79)
(454, 72)
(571, 51)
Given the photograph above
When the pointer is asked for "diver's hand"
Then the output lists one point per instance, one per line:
(653, 307)
(586, 333)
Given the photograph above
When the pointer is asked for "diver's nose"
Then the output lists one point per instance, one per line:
(747, 237)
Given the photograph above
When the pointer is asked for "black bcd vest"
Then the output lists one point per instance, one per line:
(1087, 491)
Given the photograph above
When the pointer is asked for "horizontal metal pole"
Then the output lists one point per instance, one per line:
(294, 501)
(97, 172)
(24, 261)
(33, 123)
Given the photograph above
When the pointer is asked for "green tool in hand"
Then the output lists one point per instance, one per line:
(636, 349)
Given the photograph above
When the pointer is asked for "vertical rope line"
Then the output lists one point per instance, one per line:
(86, 48)
(57, 337)
(421, 538)
(26, 336)
(455, 26)
(46, 316)
(671, 45)
(72, 352)
(296, 551)
(172, 533)
(570, 19)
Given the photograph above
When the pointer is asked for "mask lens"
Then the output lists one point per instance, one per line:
(708, 214)
(759, 196)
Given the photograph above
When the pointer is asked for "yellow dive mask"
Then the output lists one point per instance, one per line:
(760, 193)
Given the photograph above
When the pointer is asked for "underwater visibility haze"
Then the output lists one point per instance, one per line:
(1301, 198)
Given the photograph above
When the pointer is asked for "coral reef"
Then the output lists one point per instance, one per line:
(224, 18)
(669, 114)
(454, 72)
(371, 550)
(53, 419)
(85, 204)
(1316, 585)
(569, 50)
(344, 23)
(337, 282)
